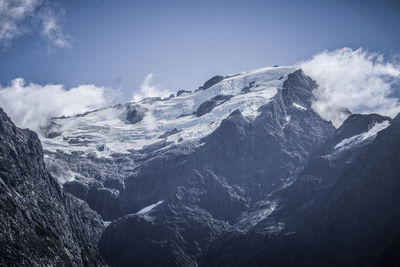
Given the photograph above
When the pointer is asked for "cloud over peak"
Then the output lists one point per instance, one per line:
(31, 105)
(359, 80)
(149, 89)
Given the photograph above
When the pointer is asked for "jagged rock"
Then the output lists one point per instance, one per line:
(299, 89)
(341, 210)
(41, 225)
(180, 92)
(77, 188)
(208, 105)
(104, 200)
(166, 235)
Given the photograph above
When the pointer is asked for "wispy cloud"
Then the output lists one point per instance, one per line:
(31, 105)
(149, 89)
(19, 17)
(355, 79)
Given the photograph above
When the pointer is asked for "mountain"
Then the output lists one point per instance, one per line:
(41, 225)
(227, 178)
(214, 155)
(340, 211)
(240, 172)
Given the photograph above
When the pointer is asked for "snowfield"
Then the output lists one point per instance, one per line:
(106, 131)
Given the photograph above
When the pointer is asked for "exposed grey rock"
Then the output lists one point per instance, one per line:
(340, 211)
(211, 82)
(41, 225)
(208, 105)
(180, 92)
(134, 113)
(51, 130)
(247, 88)
(168, 235)
(168, 97)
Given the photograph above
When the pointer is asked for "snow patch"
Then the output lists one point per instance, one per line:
(149, 208)
(299, 106)
(252, 218)
(372, 132)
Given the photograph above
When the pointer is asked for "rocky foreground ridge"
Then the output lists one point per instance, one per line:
(41, 224)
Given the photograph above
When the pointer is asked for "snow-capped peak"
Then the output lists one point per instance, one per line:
(187, 117)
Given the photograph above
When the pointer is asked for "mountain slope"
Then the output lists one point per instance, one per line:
(341, 211)
(41, 225)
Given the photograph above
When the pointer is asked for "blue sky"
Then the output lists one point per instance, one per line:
(183, 43)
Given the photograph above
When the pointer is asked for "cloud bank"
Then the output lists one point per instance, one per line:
(19, 17)
(149, 89)
(358, 80)
(31, 105)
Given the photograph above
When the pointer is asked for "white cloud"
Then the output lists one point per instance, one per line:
(52, 31)
(18, 17)
(30, 105)
(355, 79)
(149, 89)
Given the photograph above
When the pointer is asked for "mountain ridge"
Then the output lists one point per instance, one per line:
(41, 224)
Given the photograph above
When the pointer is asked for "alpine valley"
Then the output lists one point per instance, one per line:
(240, 172)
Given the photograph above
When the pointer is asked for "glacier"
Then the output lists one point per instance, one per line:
(105, 131)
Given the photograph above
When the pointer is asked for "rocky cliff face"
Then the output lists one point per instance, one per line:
(41, 225)
(340, 211)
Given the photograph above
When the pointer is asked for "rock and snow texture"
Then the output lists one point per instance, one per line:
(149, 208)
(299, 106)
(107, 131)
(41, 224)
(372, 132)
(221, 179)
(341, 210)
(241, 172)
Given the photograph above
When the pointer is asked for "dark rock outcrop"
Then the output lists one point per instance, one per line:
(208, 105)
(41, 225)
(168, 235)
(134, 113)
(180, 92)
(214, 80)
(247, 88)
